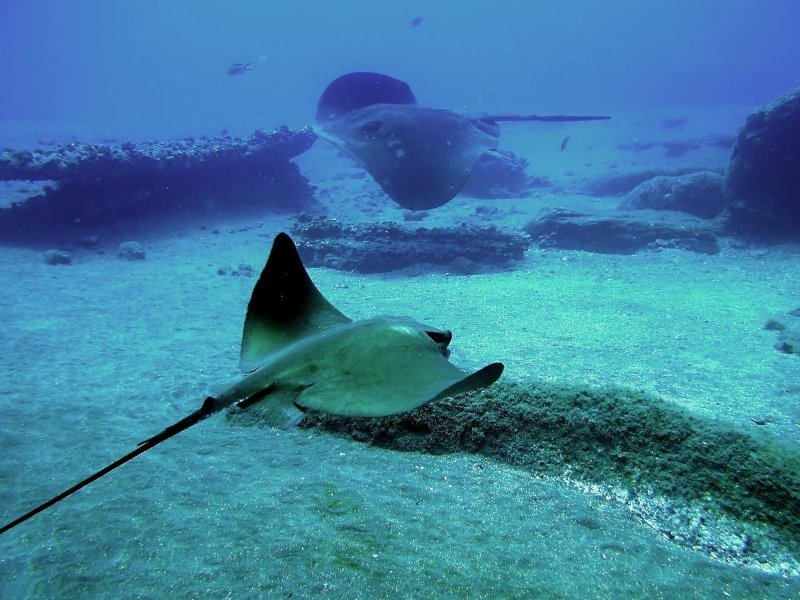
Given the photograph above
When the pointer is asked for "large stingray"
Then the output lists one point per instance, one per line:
(300, 353)
(421, 157)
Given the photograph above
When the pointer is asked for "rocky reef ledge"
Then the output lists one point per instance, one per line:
(725, 492)
(384, 247)
(93, 187)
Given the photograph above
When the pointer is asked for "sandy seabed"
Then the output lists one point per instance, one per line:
(101, 354)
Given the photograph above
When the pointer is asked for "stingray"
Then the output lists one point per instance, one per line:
(421, 157)
(299, 354)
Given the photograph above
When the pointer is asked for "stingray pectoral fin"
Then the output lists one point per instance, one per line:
(276, 405)
(391, 383)
(478, 380)
(397, 392)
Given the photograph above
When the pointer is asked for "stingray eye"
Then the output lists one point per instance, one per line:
(371, 128)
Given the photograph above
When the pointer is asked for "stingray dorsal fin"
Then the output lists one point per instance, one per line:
(285, 306)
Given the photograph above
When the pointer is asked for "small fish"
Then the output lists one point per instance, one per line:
(239, 68)
(564, 142)
(415, 22)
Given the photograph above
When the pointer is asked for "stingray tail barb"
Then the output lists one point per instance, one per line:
(209, 407)
(548, 118)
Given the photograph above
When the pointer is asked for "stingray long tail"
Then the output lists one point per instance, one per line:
(549, 118)
(209, 407)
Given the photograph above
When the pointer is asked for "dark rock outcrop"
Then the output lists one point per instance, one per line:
(700, 194)
(623, 233)
(763, 178)
(500, 174)
(383, 247)
(789, 339)
(99, 186)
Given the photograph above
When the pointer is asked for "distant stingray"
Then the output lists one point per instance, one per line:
(239, 68)
(421, 157)
(300, 353)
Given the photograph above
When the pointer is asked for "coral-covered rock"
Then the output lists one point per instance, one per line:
(763, 179)
(100, 186)
(700, 194)
(382, 247)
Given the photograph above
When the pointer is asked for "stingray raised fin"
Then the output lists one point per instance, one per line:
(284, 307)
(357, 90)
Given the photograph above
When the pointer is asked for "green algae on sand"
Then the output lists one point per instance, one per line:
(611, 436)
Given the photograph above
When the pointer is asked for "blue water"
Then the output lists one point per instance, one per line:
(100, 354)
(153, 68)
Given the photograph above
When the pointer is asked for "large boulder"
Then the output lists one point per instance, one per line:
(763, 179)
(619, 184)
(620, 232)
(700, 194)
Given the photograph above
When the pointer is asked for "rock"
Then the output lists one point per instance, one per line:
(774, 325)
(677, 148)
(621, 183)
(244, 270)
(99, 187)
(763, 178)
(789, 339)
(614, 437)
(131, 251)
(415, 215)
(498, 174)
(623, 233)
(57, 257)
(383, 247)
(464, 266)
(90, 242)
(700, 194)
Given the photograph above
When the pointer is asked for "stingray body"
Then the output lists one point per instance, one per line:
(389, 142)
(421, 157)
(300, 353)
